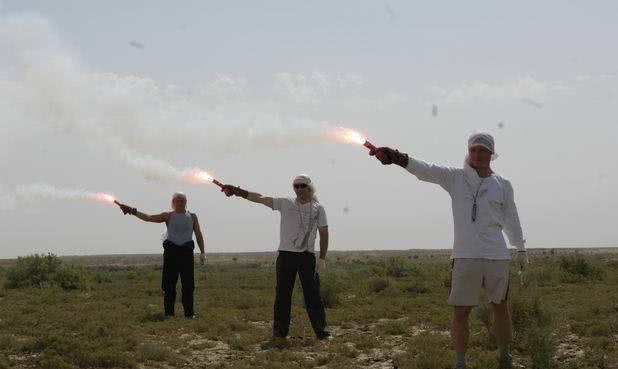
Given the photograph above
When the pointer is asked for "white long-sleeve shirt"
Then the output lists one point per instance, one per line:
(496, 210)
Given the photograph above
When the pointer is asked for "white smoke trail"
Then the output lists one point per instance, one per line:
(62, 94)
(160, 171)
(51, 192)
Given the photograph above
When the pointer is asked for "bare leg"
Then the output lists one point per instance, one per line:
(460, 332)
(502, 324)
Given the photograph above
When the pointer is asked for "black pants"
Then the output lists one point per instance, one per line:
(288, 265)
(178, 260)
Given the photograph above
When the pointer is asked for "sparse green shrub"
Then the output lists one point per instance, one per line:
(102, 277)
(532, 328)
(131, 275)
(417, 288)
(378, 284)
(543, 277)
(576, 269)
(43, 271)
(427, 351)
(542, 348)
(395, 267)
(50, 359)
(330, 295)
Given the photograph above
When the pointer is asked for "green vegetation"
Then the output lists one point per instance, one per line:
(42, 271)
(385, 310)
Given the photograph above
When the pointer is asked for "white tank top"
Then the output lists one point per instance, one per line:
(180, 228)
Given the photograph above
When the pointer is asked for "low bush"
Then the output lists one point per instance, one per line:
(576, 268)
(378, 284)
(43, 271)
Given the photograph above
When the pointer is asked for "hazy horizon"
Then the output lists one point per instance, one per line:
(121, 97)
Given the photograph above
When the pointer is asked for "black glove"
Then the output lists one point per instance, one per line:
(388, 156)
(126, 209)
(230, 190)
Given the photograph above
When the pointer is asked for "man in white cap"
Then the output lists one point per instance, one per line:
(483, 206)
(302, 218)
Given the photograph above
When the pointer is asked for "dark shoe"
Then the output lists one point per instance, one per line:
(191, 317)
(505, 362)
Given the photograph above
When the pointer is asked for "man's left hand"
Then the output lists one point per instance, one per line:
(320, 265)
(202, 258)
(522, 262)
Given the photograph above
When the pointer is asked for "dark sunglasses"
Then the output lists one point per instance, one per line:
(300, 185)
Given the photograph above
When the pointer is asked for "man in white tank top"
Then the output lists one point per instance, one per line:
(483, 207)
(302, 218)
(178, 251)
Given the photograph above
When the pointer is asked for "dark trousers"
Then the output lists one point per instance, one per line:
(288, 265)
(178, 260)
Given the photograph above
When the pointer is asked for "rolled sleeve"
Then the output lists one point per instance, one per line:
(322, 219)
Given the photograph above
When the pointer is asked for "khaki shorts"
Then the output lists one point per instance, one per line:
(468, 276)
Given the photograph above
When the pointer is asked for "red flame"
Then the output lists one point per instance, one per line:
(105, 197)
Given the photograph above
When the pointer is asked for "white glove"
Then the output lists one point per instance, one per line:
(320, 265)
(522, 259)
(202, 258)
(522, 264)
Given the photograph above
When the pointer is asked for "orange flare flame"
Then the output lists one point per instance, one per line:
(197, 176)
(105, 197)
(349, 136)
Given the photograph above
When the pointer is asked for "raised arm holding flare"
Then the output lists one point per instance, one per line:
(302, 218)
(178, 251)
(483, 207)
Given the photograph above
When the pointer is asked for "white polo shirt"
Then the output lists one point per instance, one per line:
(496, 210)
(298, 220)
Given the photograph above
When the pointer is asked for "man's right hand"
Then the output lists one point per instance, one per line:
(230, 190)
(126, 209)
(388, 156)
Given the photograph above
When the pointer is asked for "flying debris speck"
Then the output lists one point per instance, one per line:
(137, 45)
(346, 210)
(434, 110)
(532, 102)
(501, 125)
(389, 11)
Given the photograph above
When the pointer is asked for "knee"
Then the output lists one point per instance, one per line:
(501, 309)
(461, 313)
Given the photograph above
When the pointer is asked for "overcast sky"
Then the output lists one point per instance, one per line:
(120, 96)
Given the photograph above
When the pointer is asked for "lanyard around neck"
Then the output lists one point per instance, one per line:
(474, 197)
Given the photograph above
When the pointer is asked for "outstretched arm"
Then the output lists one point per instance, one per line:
(155, 218)
(230, 190)
(426, 172)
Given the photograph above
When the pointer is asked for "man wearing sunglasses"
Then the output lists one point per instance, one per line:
(302, 218)
(483, 206)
